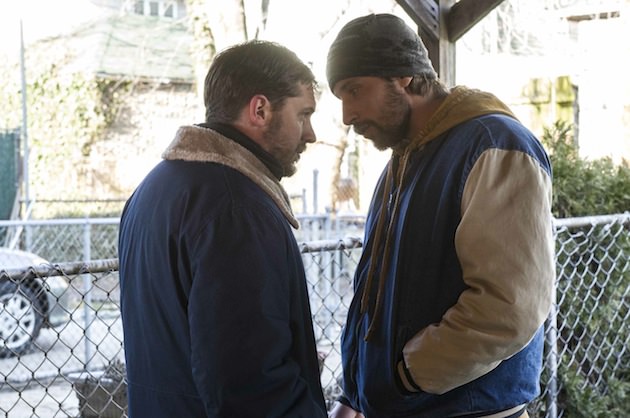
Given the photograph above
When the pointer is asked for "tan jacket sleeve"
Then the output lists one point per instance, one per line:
(506, 249)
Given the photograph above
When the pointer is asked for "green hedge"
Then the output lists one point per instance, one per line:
(594, 280)
(584, 187)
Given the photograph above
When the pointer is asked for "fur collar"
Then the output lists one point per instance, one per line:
(193, 143)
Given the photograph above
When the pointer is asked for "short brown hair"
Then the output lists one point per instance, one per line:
(245, 70)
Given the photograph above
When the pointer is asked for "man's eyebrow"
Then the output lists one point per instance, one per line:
(347, 85)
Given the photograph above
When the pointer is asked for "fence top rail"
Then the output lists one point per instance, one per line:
(621, 218)
(57, 222)
(116, 220)
(331, 245)
(61, 269)
(558, 222)
(100, 266)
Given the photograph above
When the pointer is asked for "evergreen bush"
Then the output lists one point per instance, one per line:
(592, 276)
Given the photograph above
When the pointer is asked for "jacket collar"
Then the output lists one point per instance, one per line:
(200, 144)
(234, 134)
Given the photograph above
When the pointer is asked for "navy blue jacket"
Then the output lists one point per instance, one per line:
(470, 275)
(214, 301)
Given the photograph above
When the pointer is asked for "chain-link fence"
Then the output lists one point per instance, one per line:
(88, 238)
(587, 362)
(76, 368)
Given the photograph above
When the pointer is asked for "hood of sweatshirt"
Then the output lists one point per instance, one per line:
(461, 105)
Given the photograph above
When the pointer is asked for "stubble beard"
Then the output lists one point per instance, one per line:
(289, 166)
(290, 169)
(394, 125)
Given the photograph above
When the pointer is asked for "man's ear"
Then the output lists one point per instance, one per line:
(259, 110)
(404, 81)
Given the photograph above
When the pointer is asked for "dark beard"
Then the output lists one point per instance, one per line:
(289, 168)
(396, 117)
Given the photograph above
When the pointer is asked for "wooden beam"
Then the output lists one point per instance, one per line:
(465, 14)
(425, 13)
(447, 58)
(441, 23)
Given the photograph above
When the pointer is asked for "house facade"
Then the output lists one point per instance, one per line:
(139, 54)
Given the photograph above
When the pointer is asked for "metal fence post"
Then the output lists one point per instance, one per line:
(315, 203)
(87, 299)
(551, 337)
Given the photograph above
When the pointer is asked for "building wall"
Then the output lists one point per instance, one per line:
(604, 87)
(132, 146)
(583, 60)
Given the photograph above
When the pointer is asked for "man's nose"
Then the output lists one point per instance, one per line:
(349, 115)
(309, 133)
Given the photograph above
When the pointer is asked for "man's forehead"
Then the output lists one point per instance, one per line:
(347, 84)
(305, 100)
(308, 93)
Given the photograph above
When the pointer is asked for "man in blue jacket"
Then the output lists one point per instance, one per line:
(214, 301)
(457, 274)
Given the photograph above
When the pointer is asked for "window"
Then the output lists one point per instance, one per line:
(138, 7)
(154, 9)
(161, 8)
(169, 10)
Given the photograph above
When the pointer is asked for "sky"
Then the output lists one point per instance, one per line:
(307, 27)
(40, 18)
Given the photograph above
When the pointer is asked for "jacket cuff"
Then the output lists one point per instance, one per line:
(406, 379)
(343, 400)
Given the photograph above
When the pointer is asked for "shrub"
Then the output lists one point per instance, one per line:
(593, 279)
(584, 187)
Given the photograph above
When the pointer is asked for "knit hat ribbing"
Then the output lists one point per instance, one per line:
(379, 45)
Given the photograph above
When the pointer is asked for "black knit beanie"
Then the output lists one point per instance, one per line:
(379, 45)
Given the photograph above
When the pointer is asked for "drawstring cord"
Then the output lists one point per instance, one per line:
(365, 297)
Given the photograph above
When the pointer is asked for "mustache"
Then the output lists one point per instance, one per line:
(361, 127)
(301, 149)
(298, 152)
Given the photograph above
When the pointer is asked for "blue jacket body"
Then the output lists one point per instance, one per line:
(469, 280)
(214, 300)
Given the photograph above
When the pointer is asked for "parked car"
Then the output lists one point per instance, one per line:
(27, 304)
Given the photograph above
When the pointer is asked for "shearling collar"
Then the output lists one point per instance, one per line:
(194, 143)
